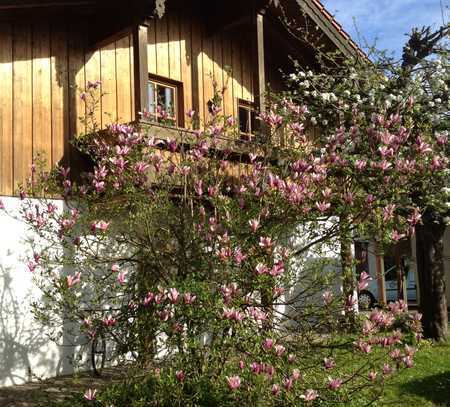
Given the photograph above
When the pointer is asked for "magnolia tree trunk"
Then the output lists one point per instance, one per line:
(348, 275)
(430, 268)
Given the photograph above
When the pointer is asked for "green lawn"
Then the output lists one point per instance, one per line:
(425, 385)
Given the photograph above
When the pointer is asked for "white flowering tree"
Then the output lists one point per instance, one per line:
(421, 78)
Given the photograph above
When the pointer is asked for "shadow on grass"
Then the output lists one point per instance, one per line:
(435, 388)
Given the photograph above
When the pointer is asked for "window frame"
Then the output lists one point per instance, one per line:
(177, 87)
(250, 107)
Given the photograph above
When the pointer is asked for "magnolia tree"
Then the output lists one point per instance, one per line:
(212, 269)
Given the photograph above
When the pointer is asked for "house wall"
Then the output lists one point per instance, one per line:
(179, 48)
(41, 67)
(26, 353)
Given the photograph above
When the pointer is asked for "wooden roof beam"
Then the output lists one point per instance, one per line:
(43, 4)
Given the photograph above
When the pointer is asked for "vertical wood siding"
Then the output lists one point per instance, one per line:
(180, 49)
(43, 69)
(45, 66)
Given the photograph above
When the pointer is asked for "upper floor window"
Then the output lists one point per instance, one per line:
(247, 119)
(164, 101)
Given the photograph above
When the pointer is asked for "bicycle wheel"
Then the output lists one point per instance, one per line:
(98, 354)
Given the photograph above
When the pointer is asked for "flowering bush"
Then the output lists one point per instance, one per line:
(216, 272)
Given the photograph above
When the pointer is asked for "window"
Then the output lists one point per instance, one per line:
(164, 98)
(247, 119)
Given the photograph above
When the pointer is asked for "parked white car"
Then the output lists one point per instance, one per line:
(370, 296)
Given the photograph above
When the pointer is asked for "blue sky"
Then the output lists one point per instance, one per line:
(387, 20)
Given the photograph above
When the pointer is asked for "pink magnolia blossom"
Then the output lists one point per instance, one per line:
(31, 266)
(368, 327)
(265, 242)
(415, 217)
(288, 383)
(231, 121)
(173, 295)
(233, 315)
(441, 139)
(323, 206)
(275, 390)
(115, 268)
(255, 367)
(363, 282)
(254, 224)
(241, 365)
(422, 147)
(64, 171)
(334, 384)
(90, 394)
(239, 257)
(198, 186)
(384, 165)
(141, 167)
(395, 354)
(388, 212)
(121, 277)
(101, 226)
(360, 164)
(327, 297)
(99, 186)
(387, 369)
(109, 321)
(396, 236)
(72, 280)
(180, 375)
(409, 350)
(296, 375)
(261, 269)
(279, 350)
(257, 313)
(364, 347)
(268, 343)
(408, 361)
(310, 395)
(297, 128)
(329, 363)
(94, 84)
(277, 269)
(272, 119)
(291, 358)
(164, 315)
(234, 382)
(189, 298)
(372, 376)
(148, 298)
(172, 145)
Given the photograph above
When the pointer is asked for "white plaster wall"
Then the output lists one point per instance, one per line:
(25, 351)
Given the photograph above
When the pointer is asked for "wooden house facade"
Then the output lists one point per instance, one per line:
(49, 50)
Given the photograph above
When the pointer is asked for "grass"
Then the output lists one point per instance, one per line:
(425, 385)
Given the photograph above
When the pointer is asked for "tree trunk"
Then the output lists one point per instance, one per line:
(348, 275)
(430, 269)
